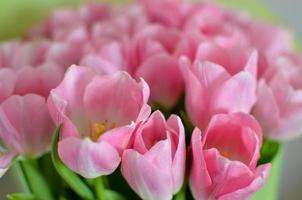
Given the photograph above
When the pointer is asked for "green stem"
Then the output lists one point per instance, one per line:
(181, 195)
(24, 176)
(36, 183)
(100, 188)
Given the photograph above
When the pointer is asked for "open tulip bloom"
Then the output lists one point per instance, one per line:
(155, 100)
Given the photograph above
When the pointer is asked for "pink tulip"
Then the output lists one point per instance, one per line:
(25, 128)
(94, 12)
(109, 58)
(70, 51)
(279, 108)
(62, 23)
(167, 12)
(7, 83)
(225, 158)
(269, 40)
(162, 74)
(97, 114)
(210, 89)
(154, 166)
(210, 22)
(16, 54)
(38, 80)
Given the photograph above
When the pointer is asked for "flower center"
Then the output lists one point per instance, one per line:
(225, 154)
(98, 129)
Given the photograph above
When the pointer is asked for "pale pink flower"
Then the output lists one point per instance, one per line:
(171, 13)
(154, 166)
(25, 127)
(97, 114)
(279, 102)
(38, 80)
(69, 51)
(210, 90)
(225, 158)
(17, 54)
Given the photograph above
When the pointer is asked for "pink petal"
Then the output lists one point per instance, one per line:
(149, 133)
(119, 137)
(88, 158)
(261, 175)
(6, 159)
(158, 69)
(66, 101)
(115, 99)
(145, 178)
(7, 83)
(213, 53)
(37, 80)
(266, 109)
(179, 161)
(200, 180)
(238, 94)
(26, 125)
(238, 136)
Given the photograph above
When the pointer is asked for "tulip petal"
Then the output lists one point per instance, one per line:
(158, 69)
(7, 83)
(88, 158)
(145, 178)
(266, 108)
(26, 125)
(243, 139)
(179, 161)
(238, 94)
(115, 99)
(261, 175)
(200, 179)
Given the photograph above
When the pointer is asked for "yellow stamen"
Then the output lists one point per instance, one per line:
(113, 125)
(99, 129)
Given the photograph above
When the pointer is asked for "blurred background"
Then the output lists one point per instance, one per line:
(17, 15)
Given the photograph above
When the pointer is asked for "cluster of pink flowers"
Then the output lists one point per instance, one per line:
(240, 79)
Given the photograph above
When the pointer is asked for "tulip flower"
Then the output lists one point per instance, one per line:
(279, 108)
(171, 13)
(97, 115)
(210, 89)
(17, 54)
(154, 164)
(7, 83)
(225, 158)
(25, 128)
(69, 51)
(160, 69)
(38, 80)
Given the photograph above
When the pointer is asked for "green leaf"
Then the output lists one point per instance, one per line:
(112, 195)
(22, 196)
(268, 151)
(73, 180)
(35, 181)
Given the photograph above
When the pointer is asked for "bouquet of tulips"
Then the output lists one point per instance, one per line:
(153, 100)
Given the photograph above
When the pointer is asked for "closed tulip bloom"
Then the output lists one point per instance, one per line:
(25, 128)
(38, 80)
(210, 90)
(225, 158)
(154, 166)
(279, 108)
(97, 115)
